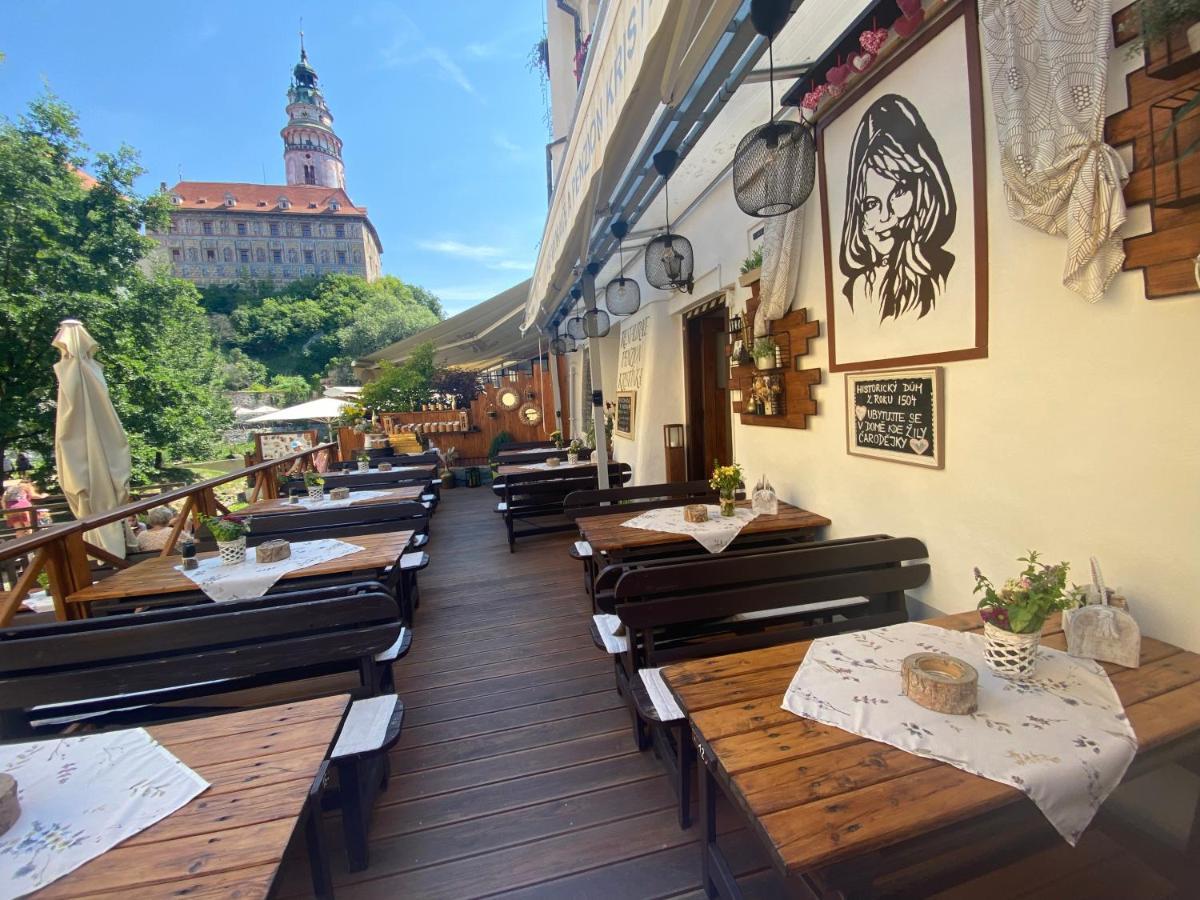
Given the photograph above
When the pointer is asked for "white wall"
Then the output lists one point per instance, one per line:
(1078, 436)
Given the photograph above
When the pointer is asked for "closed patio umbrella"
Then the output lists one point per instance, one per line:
(90, 446)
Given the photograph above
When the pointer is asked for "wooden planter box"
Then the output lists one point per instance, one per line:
(1171, 58)
(1175, 177)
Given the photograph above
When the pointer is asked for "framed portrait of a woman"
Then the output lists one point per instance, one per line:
(903, 205)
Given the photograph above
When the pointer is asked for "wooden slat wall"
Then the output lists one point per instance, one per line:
(1166, 253)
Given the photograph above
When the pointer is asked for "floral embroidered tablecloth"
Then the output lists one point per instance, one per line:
(82, 796)
(1061, 737)
(713, 535)
(327, 503)
(251, 579)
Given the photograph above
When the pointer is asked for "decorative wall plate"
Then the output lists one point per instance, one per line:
(530, 414)
(508, 399)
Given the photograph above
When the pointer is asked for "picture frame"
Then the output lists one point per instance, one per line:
(897, 415)
(277, 444)
(623, 417)
(906, 258)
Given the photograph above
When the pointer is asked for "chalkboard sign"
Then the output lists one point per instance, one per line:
(896, 415)
(626, 403)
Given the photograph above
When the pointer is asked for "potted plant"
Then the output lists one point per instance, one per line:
(726, 480)
(1014, 614)
(751, 268)
(556, 438)
(1168, 21)
(315, 484)
(364, 461)
(573, 451)
(447, 457)
(230, 534)
(764, 353)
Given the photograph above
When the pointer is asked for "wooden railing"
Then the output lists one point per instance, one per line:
(62, 552)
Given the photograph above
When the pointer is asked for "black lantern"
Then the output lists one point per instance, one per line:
(623, 297)
(669, 258)
(574, 328)
(775, 165)
(596, 323)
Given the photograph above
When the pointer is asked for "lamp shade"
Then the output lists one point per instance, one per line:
(596, 323)
(623, 297)
(774, 169)
(574, 328)
(669, 262)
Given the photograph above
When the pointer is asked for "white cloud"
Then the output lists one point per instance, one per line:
(458, 248)
(515, 151)
(410, 47)
(514, 265)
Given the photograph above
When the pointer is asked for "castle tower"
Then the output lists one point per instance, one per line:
(312, 153)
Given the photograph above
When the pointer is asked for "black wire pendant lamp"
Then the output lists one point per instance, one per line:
(574, 326)
(596, 323)
(775, 165)
(623, 297)
(562, 344)
(669, 259)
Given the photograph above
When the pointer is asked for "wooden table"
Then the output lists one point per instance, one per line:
(526, 468)
(838, 810)
(159, 576)
(609, 534)
(230, 840)
(284, 505)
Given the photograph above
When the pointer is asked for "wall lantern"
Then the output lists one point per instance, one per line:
(673, 441)
(596, 323)
(775, 165)
(669, 259)
(623, 297)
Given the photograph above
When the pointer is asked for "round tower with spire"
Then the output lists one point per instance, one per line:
(312, 152)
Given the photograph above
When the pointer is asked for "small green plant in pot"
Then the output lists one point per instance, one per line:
(447, 457)
(573, 451)
(556, 438)
(1013, 614)
(764, 353)
(364, 461)
(230, 534)
(315, 484)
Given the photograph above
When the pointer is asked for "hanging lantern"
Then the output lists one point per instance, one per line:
(623, 297)
(574, 328)
(669, 260)
(596, 323)
(775, 165)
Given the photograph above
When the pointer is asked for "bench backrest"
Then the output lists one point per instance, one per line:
(686, 609)
(277, 637)
(539, 455)
(632, 499)
(394, 478)
(554, 485)
(402, 515)
(524, 445)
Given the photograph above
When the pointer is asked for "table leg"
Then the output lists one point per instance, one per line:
(715, 876)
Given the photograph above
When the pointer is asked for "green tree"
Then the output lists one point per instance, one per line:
(239, 371)
(70, 251)
(402, 388)
(292, 389)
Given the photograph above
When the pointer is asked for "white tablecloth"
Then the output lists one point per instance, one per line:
(714, 535)
(82, 796)
(423, 468)
(1061, 737)
(250, 579)
(355, 497)
(542, 467)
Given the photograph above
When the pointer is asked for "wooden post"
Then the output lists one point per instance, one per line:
(67, 566)
(12, 602)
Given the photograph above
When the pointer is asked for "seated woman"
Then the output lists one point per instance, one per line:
(155, 537)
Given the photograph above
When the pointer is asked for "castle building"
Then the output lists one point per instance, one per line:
(221, 232)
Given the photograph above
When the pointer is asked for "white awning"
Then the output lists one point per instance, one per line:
(321, 409)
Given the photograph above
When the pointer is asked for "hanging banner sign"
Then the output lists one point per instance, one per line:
(617, 59)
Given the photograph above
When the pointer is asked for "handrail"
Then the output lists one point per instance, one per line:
(51, 533)
(62, 552)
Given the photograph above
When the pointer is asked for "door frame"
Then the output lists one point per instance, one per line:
(713, 308)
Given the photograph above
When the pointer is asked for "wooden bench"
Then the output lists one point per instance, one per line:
(540, 495)
(724, 604)
(305, 524)
(123, 668)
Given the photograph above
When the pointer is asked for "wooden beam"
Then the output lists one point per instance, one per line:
(11, 602)
(104, 556)
(178, 526)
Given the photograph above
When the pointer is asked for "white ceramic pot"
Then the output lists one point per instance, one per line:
(764, 362)
(1010, 655)
(1193, 37)
(364, 465)
(572, 458)
(232, 552)
(316, 492)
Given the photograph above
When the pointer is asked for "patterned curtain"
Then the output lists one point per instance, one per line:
(1048, 64)
(780, 281)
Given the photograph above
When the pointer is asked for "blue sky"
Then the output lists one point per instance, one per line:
(442, 120)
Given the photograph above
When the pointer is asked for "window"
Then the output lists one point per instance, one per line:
(207, 227)
(308, 257)
(339, 231)
(274, 229)
(260, 255)
(306, 230)
(175, 254)
(310, 174)
(277, 257)
(210, 255)
(244, 256)
(341, 257)
(171, 227)
(228, 254)
(242, 229)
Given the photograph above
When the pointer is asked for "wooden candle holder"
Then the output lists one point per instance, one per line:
(10, 805)
(695, 512)
(942, 683)
(272, 551)
(340, 493)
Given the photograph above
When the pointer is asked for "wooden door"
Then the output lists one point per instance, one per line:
(706, 378)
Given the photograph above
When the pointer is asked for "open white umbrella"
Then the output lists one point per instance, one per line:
(323, 409)
(90, 446)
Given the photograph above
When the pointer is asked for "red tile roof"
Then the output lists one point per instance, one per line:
(85, 179)
(304, 198)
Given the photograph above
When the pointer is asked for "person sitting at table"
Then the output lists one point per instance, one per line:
(158, 532)
(19, 498)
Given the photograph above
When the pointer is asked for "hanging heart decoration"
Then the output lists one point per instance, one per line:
(860, 62)
(835, 90)
(838, 75)
(872, 39)
(813, 98)
(906, 26)
(909, 7)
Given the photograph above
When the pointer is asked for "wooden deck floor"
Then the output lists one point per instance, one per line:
(516, 773)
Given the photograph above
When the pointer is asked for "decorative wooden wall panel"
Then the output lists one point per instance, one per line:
(1166, 254)
(798, 383)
